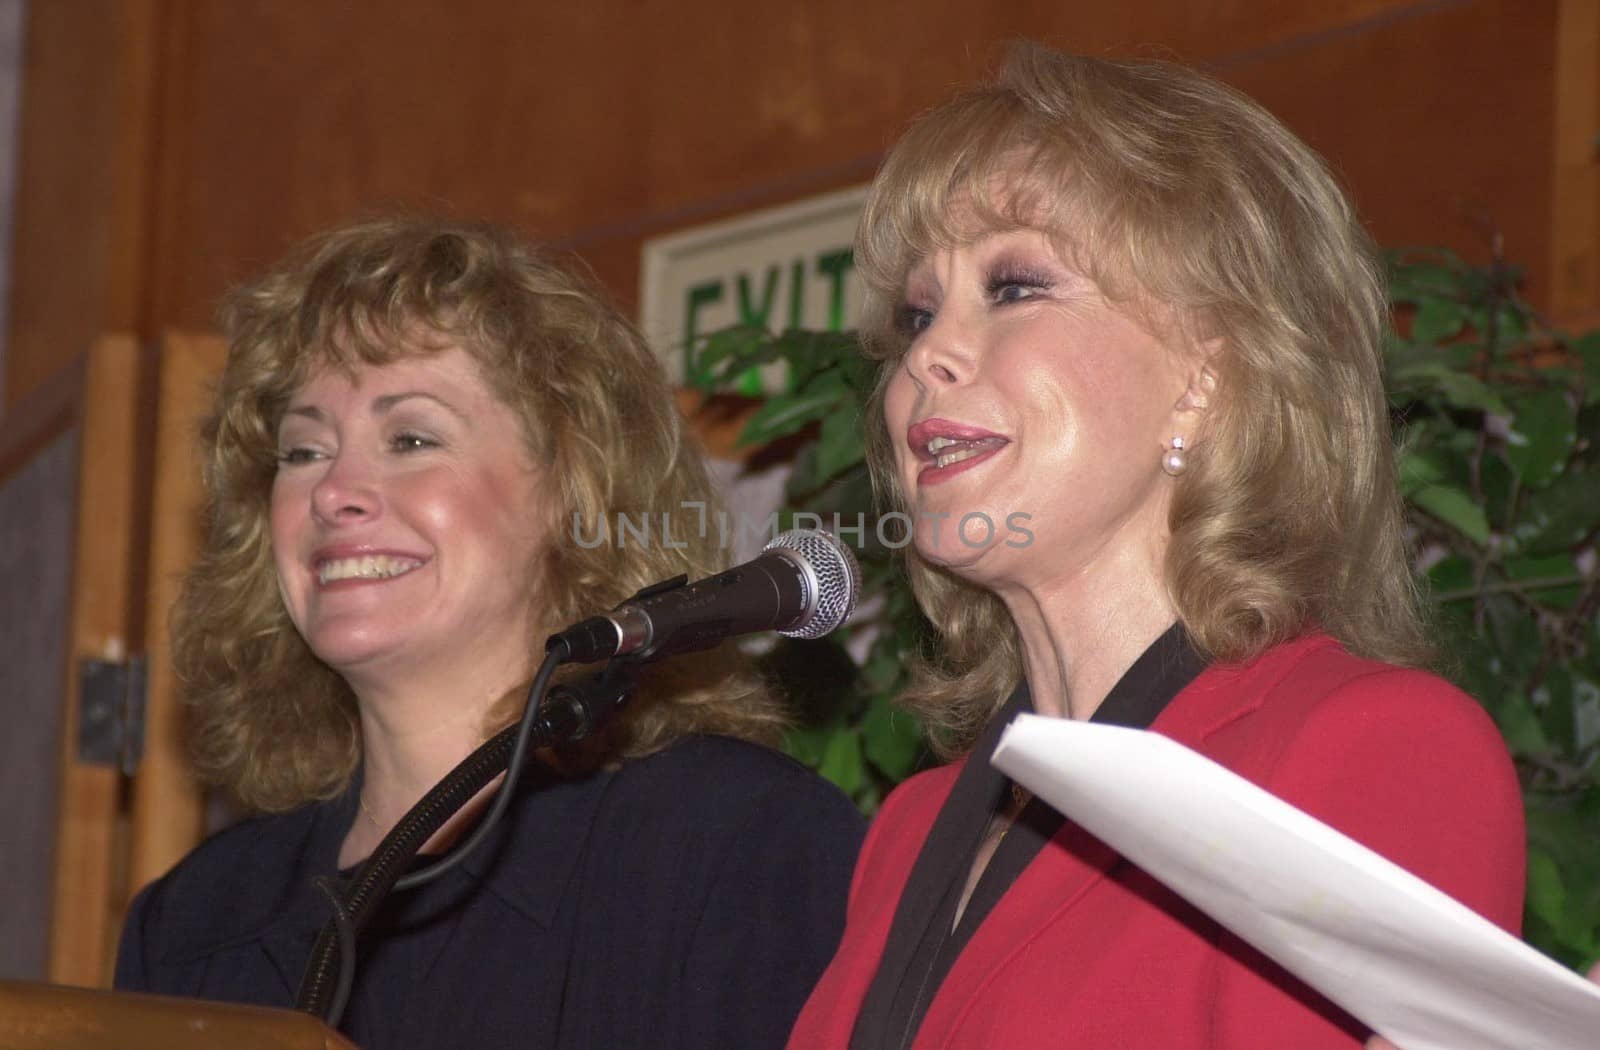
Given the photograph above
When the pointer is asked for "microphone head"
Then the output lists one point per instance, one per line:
(831, 567)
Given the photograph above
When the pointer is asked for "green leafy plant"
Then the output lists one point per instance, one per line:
(1498, 419)
(844, 685)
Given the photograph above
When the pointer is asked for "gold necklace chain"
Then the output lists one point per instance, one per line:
(366, 811)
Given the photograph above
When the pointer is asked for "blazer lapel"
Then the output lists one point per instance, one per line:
(1056, 882)
(288, 940)
(1074, 862)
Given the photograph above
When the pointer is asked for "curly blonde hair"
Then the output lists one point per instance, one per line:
(1204, 217)
(269, 720)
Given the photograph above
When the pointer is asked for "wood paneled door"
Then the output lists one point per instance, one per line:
(125, 808)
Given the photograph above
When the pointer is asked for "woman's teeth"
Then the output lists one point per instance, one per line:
(956, 457)
(959, 449)
(366, 567)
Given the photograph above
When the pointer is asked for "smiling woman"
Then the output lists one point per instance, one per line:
(407, 519)
(1121, 299)
(410, 415)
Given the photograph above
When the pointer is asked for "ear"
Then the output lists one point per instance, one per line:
(1189, 412)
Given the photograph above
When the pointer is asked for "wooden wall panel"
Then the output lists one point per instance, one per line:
(1575, 193)
(81, 206)
(597, 125)
(168, 805)
(89, 885)
(1440, 123)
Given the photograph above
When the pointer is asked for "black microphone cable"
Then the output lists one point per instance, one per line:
(572, 713)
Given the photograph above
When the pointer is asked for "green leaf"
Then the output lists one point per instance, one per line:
(893, 738)
(1416, 275)
(1553, 701)
(1455, 508)
(1458, 389)
(784, 415)
(728, 353)
(803, 479)
(735, 343)
(1542, 433)
(883, 667)
(1437, 321)
(1538, 573)
(1450, 575)
(840, 445)
(807, 744)
(1519, 724)
(809, 352)
(1514, 635)
(1586, 708)
(830, 381)
(1587, 347)
(1401, 356)
(1561, 828)
(1547, 895)
(1478, 671)
(1419, 469)
(842, 762)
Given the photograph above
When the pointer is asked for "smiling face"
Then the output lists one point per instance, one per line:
(405, 521)
(1024, 392)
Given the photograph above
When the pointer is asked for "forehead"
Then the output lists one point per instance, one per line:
(448, 370)
(981, 207)
(1018, 242)
(449, 378)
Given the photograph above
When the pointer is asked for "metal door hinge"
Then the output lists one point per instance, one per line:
(111, 712)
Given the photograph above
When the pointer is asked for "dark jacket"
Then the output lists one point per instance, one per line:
(689, 899)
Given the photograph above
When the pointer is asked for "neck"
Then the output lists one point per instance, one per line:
(1081, 632)
(416, 728)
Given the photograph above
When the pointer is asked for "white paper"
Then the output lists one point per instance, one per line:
(1420, 968)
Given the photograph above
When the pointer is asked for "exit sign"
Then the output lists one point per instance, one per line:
(785, 267)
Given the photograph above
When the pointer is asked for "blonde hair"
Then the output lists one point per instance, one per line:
(1181, 198)
(269, 720)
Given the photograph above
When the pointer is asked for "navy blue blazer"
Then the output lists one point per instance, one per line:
(689, 899)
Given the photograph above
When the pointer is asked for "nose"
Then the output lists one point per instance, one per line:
(347, 492)
(943, 353)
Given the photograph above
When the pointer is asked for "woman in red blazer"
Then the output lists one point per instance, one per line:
(1132, 400)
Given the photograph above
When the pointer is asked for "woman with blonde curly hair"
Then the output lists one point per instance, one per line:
(1131, 394)
(413, 420)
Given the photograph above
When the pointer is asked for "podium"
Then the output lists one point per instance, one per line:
(36, 1016)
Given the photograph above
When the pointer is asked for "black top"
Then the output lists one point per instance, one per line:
(922, 946)
(688, 900)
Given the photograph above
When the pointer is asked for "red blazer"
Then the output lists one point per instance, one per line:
(1087, 951)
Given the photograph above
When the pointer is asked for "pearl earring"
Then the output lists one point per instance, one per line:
(1172, 460)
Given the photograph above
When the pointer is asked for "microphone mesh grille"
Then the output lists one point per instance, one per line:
(838, 580)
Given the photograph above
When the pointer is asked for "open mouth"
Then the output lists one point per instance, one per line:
(946, 448)
(948, 451)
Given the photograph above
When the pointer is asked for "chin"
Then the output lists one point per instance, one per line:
(346, 654)
(957, 558)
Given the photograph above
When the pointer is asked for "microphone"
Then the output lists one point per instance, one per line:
(803, 585)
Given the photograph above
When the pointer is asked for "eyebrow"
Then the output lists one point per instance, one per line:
(380, 406)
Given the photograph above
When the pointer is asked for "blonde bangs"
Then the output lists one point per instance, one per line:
(983, 164)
